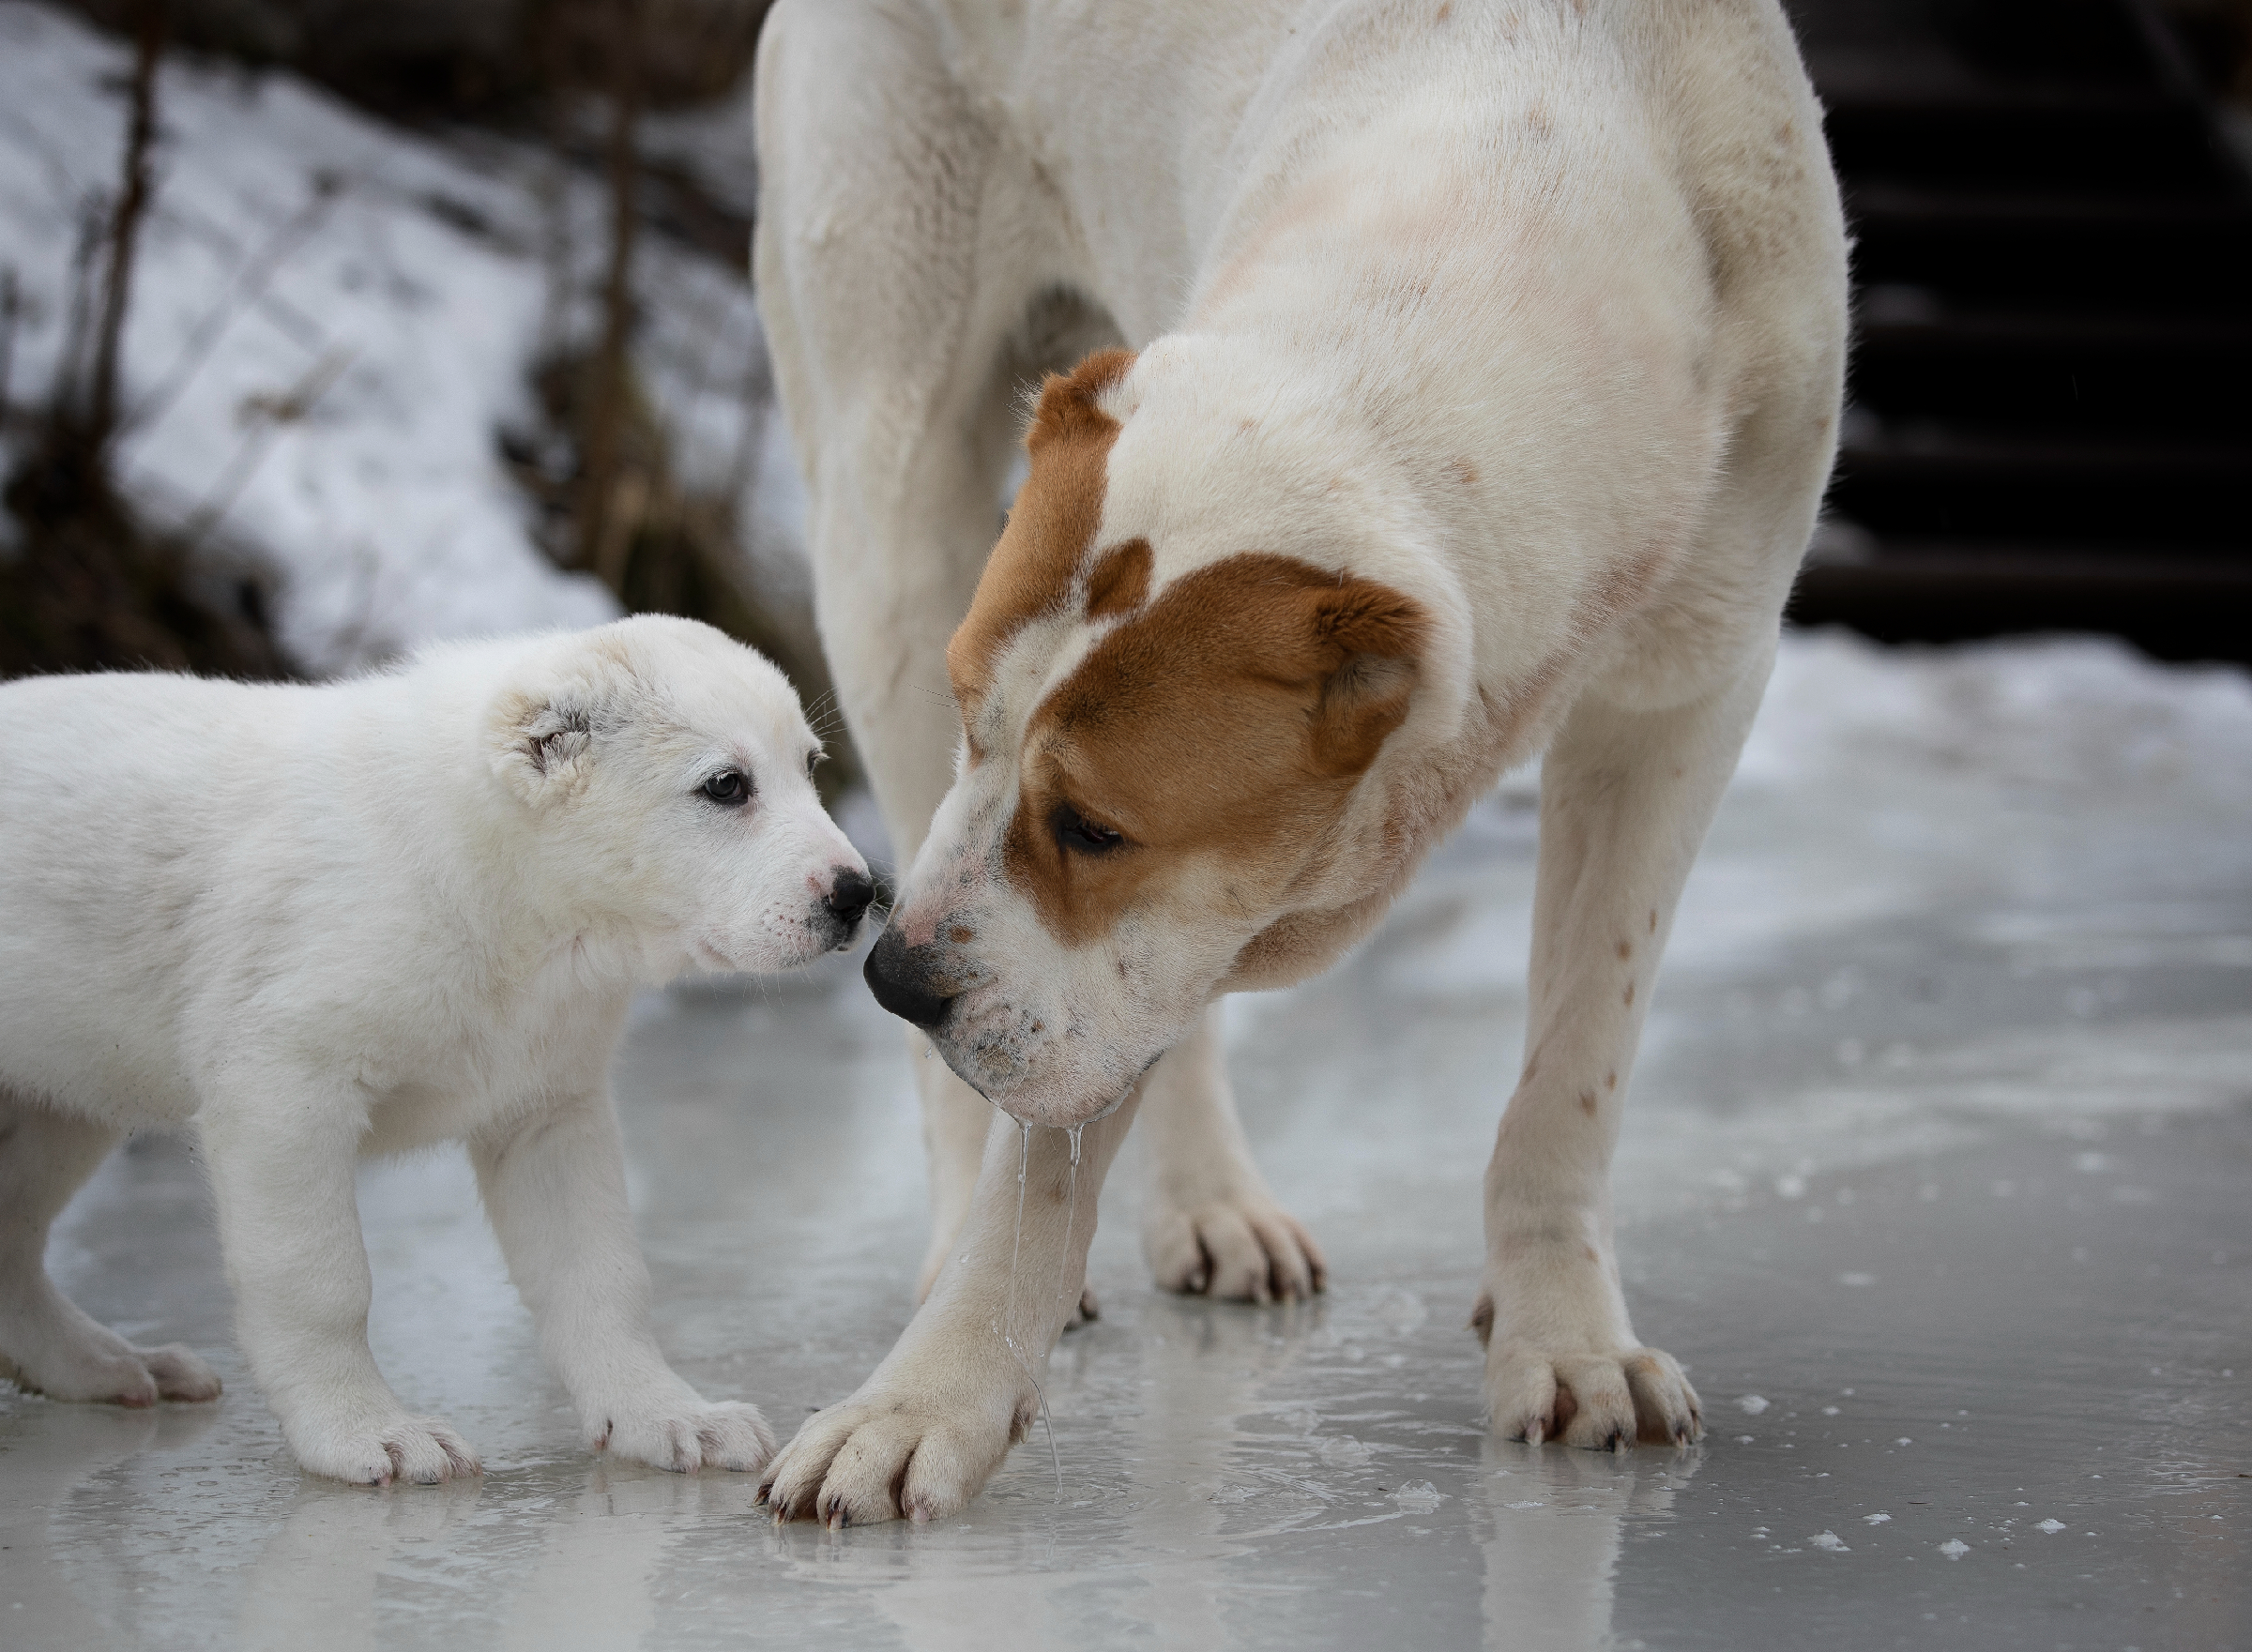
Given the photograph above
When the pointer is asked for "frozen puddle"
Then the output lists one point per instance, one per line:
(1966, 922)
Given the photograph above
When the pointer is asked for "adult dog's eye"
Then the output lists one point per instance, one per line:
(730, 787)
(1082, 836)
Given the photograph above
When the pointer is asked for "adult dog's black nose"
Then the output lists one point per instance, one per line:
(849, 896)
(900, 977)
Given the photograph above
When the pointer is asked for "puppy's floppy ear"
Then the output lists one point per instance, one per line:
(541, 744)
(1368, 639)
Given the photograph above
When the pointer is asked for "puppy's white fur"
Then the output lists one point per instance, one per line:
(1530, 310)
(318, 922)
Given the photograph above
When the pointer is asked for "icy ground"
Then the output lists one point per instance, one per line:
(1935, 1172)
(331, 322)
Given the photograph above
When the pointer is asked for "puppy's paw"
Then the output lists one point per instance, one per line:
(1241, 1247)
(1603, 1401)
(680, 1433)
(179, 1372)
(418, 1450)
(111, 1370)
(888, 1454)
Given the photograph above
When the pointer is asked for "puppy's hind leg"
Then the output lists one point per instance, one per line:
(46, 1343)
(554, 1187)
(1214, 1228)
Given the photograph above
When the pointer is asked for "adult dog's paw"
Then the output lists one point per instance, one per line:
(886, 1455)
(1604, 1401)
(419, 1450)
(680, 1433)
(1241, 1246)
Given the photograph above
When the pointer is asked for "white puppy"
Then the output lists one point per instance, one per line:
(1480, 372)
(323, 922)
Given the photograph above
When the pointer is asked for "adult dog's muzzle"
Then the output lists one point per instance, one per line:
(905, 981)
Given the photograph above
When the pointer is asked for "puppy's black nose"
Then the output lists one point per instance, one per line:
(900, 977)
(849, 896)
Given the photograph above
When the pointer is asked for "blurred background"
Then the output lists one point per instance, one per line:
(326, 327)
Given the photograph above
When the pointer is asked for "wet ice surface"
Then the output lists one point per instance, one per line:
(1935, 1175)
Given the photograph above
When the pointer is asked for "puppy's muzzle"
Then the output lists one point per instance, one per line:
(849, 896)
(840, 910)
(905, 981)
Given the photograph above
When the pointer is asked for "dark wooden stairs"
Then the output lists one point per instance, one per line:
(2049, 420)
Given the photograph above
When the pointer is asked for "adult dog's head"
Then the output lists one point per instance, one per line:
(1174, 686)
(665, 771)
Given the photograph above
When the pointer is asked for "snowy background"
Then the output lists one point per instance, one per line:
(334, 320)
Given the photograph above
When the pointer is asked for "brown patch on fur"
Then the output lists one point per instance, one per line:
(1540, 123)
(1626, 949)
(1464, 472)
(1120, 580)
(961, 935)
(1587, 1102)
(1653, 920)
(1051, 524)
(1232, 716)
(1622, 587)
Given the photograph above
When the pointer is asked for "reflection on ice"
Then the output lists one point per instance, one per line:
(1554, 1524)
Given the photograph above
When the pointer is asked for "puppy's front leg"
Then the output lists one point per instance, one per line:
(1625, 798)
(927, 1429)
(555, 1189)
(281, 1156)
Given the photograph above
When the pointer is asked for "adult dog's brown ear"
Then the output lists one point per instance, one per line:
(541, 744)
(1368, 641)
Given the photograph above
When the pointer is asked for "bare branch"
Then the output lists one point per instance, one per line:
(149, 20)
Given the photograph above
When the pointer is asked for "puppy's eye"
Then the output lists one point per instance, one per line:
(812, 761)
(730, 787)
(1080, 836)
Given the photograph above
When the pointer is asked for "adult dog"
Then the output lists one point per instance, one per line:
(1486, 364)
(324, 922)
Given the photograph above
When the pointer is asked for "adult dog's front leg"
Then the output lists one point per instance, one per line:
(1215, 1227)
(927, 1429)
(281, 1152)
(554, 1187)
(1625, 798)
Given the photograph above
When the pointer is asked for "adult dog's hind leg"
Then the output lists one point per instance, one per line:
(46, 1343)
(1626, 799)
(1214, 1226)
(900, 267)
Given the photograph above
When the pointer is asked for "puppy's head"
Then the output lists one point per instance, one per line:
(666, 770)
(1167, 724)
